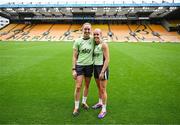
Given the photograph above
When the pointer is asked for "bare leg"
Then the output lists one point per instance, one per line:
(86, 87)
(78, 86)
(99, 104)
(98, 85)
(77, 93)
(103, 85)
(103, 112)
(85, 92)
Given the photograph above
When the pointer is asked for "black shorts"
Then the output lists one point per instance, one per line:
(84, 70)
(97, 71)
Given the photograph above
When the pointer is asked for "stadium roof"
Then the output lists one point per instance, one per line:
(90, 1)
(87, 3)
(94, 11)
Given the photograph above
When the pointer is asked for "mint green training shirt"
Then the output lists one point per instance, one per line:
(98, 55)
(85, 51)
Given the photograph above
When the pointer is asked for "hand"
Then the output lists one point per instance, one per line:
(74, 74)
(101, 76)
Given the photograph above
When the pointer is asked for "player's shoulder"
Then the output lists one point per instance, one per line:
(79, 40)
(104, 44)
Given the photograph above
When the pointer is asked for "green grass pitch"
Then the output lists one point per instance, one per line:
(36, 85)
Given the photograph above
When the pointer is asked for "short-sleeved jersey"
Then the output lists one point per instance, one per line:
(98, 55)
(85, 51)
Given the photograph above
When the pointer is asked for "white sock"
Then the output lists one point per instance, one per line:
(84, 100)
(76, 104)
(104, 108)
(100, 101)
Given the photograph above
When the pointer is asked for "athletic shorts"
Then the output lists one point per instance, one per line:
(84, 70)
(97, 71)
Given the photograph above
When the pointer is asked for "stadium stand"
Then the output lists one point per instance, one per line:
(124, 22)
(7, 29)
(75, 32)
(121, 33)
(144, 33)
(165, 35)
(11, 34)
(56, 32)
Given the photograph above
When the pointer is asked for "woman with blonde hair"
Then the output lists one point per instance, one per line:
(101, 71)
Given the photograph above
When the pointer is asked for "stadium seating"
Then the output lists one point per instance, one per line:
(144, 33)
(121, 33)
(8, 28)
(11, 34)
(58, 32)
(165, 35)
(75, 32)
